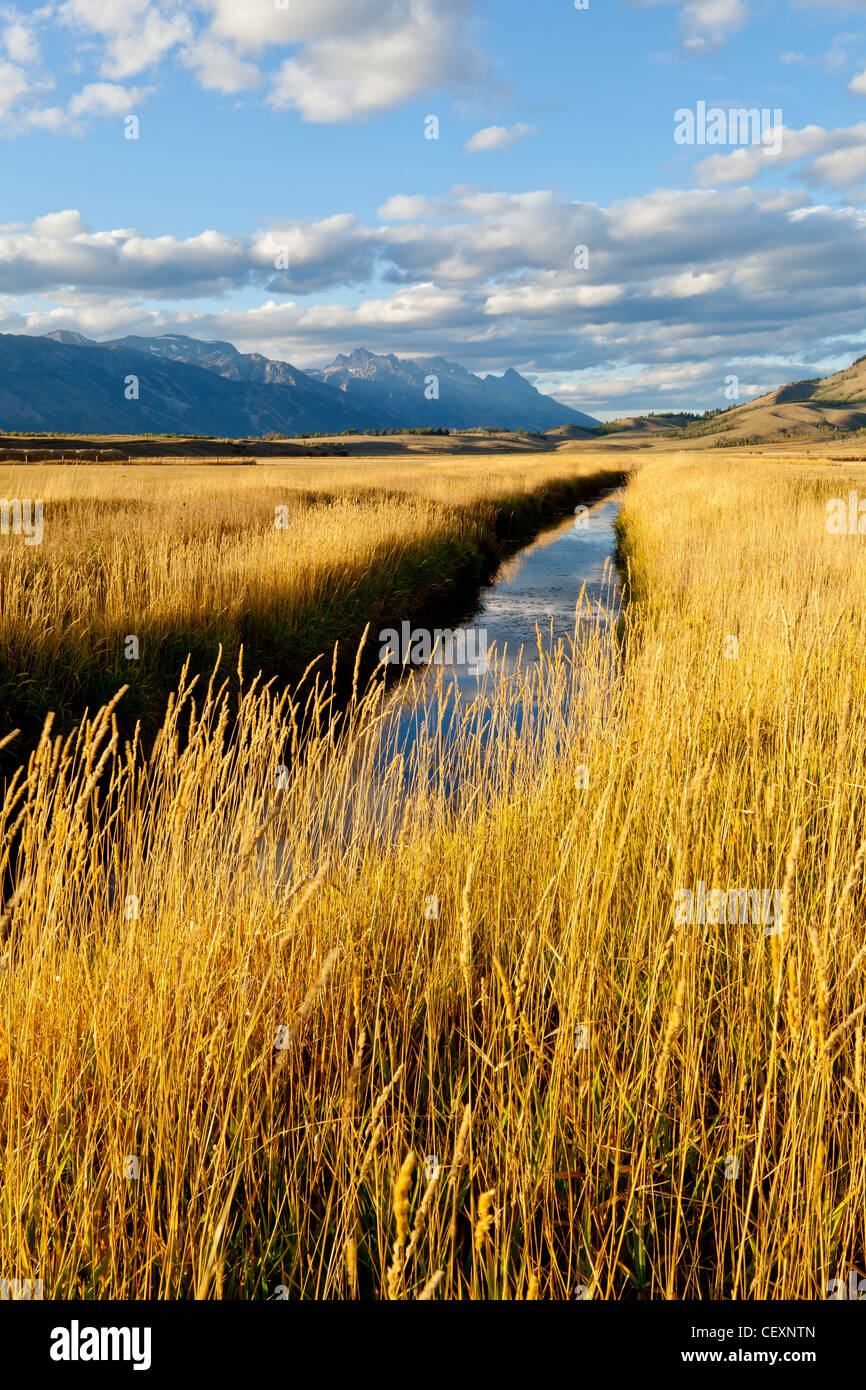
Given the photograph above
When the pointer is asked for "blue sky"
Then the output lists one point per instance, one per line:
(266, 131)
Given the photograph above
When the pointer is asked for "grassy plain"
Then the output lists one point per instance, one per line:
(252, 995)
(188, 559)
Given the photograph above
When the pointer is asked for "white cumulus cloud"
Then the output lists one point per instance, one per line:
(498, 137)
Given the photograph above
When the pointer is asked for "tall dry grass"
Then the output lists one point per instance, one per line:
(372, 1036)
(186, 559)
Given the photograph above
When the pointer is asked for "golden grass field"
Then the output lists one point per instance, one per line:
(189, 559)
(175, 917)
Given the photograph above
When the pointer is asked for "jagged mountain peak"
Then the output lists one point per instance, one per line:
(360, 388)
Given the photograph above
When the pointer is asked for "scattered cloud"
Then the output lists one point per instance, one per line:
(680, 284)
(219, 68)
(499, 137)
(857, 85)
(105, 99)
(403, 51)
(21, 44)
(709, 23)
(329, 60)
(136, 34)
(823, 158)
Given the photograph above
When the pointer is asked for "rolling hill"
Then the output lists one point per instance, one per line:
(801, 409)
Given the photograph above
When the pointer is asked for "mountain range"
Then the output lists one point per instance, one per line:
(402, 387)
(64, 382)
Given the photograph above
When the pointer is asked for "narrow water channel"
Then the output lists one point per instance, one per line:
(512, 675)
(450, 728)
(540, 586)
(530, 608)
